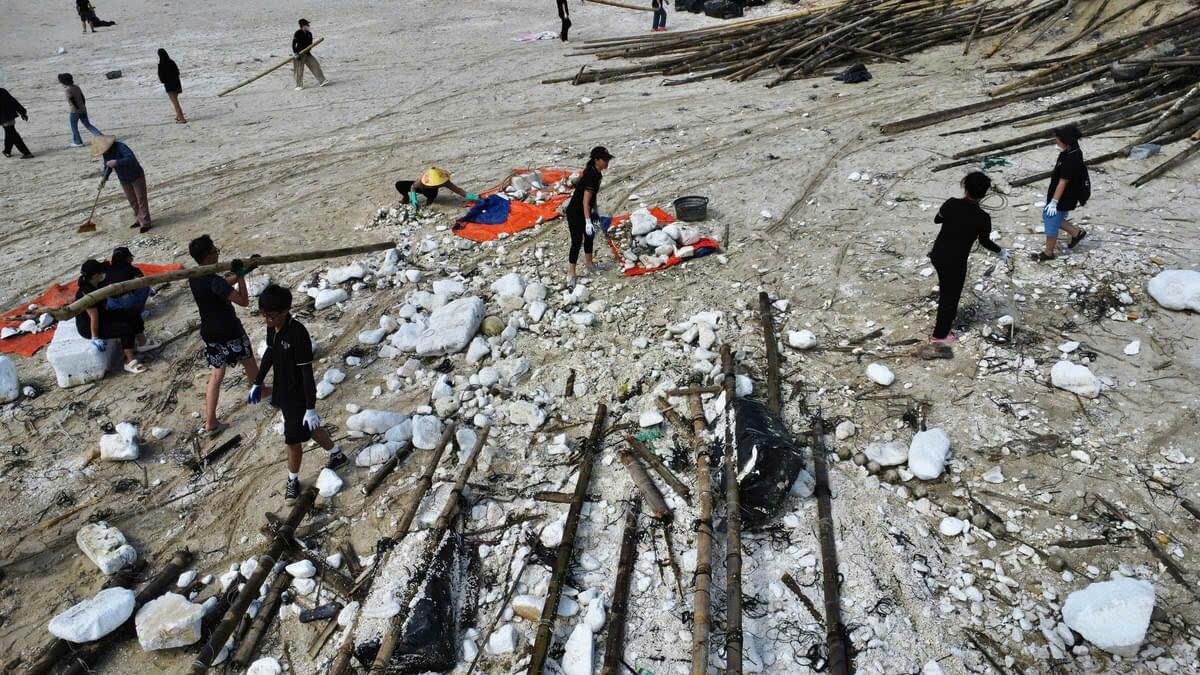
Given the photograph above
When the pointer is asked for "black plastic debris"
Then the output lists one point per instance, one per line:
(768, 461)
(113, 74)
(854, 74)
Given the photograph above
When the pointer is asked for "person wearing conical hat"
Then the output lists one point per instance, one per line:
(428, 185)
(116, 156)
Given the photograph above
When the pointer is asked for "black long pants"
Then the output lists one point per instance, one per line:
(566, 27)
(122, 325)
(660, 17)
(578, 228)
(406, 186)
(13, 139)
(951, 277)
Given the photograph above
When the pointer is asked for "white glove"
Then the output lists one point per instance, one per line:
(1003, 254)
(311, 420)
(1052, 208)
(590, 228)
(99, 344)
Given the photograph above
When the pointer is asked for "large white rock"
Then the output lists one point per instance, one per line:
(642, 222)
(1113, 615)
(951, 526)
(265, 666)
(1176, 289)
(451, 327)
(121, 446)
(510, 284)
(802, 339)
(426, 432)
(536, 310)
(880, 374)
(845, 429)
(400, 433)
(891, 453)
(373, 336)
(927, 453)
(374, 421)
(96, 617)
(526, 413)
(302, 569)
(408, 335)
(329, 483)
(329, 296)
(10, 386)
(74, 358)
(577, 660)
(376, 453)
(478, 350)
(448, 289)
(503, 640)
(595, 616)
(1076, 379)
(168, 621)
(104, 545)
(534, 293)
(528, 607)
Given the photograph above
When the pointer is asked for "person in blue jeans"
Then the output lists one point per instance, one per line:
(1070, 187)
(79, 112)
(660, 15)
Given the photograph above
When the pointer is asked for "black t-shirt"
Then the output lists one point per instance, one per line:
(963, 223)
(287, 351)
(1071, 167)
(218, 320)
(300, 40)
(83, 321)
(590, 180)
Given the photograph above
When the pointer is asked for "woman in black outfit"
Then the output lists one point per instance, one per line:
(168, 74)
(565, 14)
(99, 324)
(87, 14)
(581, 211)
(10, 110)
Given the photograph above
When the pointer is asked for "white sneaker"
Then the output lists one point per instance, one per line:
(323, 83)
(77, 145)
(300, 88)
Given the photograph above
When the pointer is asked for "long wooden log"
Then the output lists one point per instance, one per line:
(395, 628)
(655, 503)
(614, 641)
(733, 527)
(273, 68)
(702, 596)
(262, 621)
(767, 317)
(382, 472)
(835, 631)
(649, 457)
(562, 560)
(99, 295)
(1166, 166)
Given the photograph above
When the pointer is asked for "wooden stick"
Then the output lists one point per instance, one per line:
(395, 629)
(620, 4)
(657, 506)
(766, 315)
(258, 628)
(377, 478)
(835, 631)
(101, 294)
(614, 642)
(688, 391)
(649, 457)
(273, 68)
(1167, 165)
(733, 526)
(702, 596)
(562, 561)
(974, 27)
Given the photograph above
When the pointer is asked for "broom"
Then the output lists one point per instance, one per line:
(89, 225)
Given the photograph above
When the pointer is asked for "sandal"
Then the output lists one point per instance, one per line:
(215, 431)
(147, 346)
(1077, 238)
(1042, 257)
(135, 367)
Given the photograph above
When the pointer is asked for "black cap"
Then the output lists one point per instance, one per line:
(601, 152)
(91, 268)
(303, 22)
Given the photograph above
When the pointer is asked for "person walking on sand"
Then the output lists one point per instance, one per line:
(294, 390)
(581, 212)
(1070, 187)
(168, 74)
(564, 13)
(660, 15)
(428, 186)
(78, 107)
(87, 14)
(116, 156)
(963, 223)
(301, 41)
(99, 324)
(225, 341)
(10, 110)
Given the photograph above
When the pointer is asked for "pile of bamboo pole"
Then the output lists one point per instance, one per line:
(810, 42)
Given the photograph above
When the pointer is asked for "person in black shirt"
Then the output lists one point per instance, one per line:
(294, 392)
(565, 14)
(121, 269)
(581, 211)
(225, 341)
(168, 74)
(98, 324)
(963, 223)
(1069, 188)
(10, 110)
(300, 41)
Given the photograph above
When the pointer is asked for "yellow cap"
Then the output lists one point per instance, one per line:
(434, 177)
(101, 144)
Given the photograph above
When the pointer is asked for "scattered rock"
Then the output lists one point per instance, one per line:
(1076, 379)
(451, 327)
(927, 453)
(510, 284)
(426, 432)
(880, 374)
(993, 475)
(96, 617)
(802, 339)
(186, 579)
(1176, 289)
(1113, 615)
(492, 326)
(577, 659)
(10, 386)
(121, 446)
(528, 607)
(374, 421)
(650, 418)
(265, 666)
(168, 621)
(105, 546)
(503, 640)
(329, 483)
(845, 429)
(302, 569)
(1133, 348)
(526, 413)
(951, 526)
(328, 297)
(891, 453)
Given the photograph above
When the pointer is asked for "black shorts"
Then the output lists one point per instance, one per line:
(294, 431)
(228, 353)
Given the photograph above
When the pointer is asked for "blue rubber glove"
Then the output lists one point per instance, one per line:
(1052, 208)
(311, 420)
(471, 197)
(412, 199)
(99, 344)
(255, 394)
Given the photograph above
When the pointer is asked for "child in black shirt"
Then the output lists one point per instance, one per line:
(294, 392)
(1069, 189)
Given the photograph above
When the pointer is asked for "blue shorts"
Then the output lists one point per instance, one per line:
(1051, 223)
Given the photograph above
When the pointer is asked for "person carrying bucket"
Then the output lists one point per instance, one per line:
(428, 186)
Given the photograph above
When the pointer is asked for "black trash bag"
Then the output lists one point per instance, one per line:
(854, 74)
(447, 604)
(722, 9)
(763, 439)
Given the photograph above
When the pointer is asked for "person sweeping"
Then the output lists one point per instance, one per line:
(963, 223)
(1070, 187)
(294, 390)
(116, 156)
(581, 212)
(428, 186)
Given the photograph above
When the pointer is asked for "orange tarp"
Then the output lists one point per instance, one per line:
(27, 344)
(521, 216)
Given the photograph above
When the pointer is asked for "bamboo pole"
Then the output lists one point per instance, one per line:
(262, 621)
(395, 629)
(622, 5)
(614, 642)
(273, 68)
(974, 28)
(733, 527)
(1167, 165)
(702, 596)
(101, 294)
(562, 560)
(383, 471)
(766, 316)
(657, 506)
(649, 457)
(835, 631)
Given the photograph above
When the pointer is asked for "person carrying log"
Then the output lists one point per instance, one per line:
(168, 74)
(302, 40)
(294, 390)
(428, 186)
(963, 223)
(78, 109)
(10, 110)
(225, 341)
(99, 324)
(582, 214)
(116, 156)
(1070, 187)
